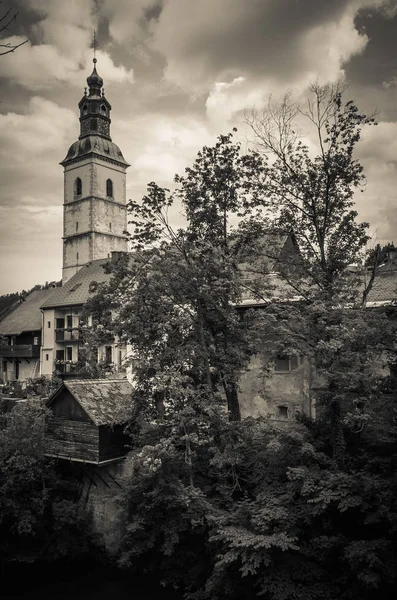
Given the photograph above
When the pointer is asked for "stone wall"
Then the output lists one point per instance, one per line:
(103, 492)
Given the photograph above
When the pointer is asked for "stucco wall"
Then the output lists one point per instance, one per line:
(101, 171)
(83, 170)
(262, 393)
(105, 213)
(26, 369)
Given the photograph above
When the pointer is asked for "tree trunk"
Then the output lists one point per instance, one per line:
(233, 405)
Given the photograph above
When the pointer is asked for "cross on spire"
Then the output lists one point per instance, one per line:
(94, 44)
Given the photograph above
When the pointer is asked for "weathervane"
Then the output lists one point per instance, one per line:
(94, 45)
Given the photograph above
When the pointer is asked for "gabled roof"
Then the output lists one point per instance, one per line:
(104, 400)
(27, 315)
(76, 290)
(384, 289)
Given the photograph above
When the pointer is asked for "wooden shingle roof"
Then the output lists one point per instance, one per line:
(104, 400)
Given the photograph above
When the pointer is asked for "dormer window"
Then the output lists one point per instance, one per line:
(109, 188)
(78, 187)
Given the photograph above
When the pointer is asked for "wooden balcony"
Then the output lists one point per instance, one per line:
(20, 351)
(65, 366)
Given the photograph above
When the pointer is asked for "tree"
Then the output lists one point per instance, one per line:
(173, 300)
(39, 516)
(307, 512)
(314, 197)
(6, 20)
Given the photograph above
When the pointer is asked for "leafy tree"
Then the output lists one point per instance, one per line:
(304, 512)
(173, 300)
(39, 516)
(314, 197)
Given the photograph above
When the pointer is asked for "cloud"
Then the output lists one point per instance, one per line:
(43, 67)
(130, 22)
(378, 154)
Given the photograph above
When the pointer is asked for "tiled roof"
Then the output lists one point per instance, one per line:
(384, 289)
(27, 315)
(76, 290)
(104, 400)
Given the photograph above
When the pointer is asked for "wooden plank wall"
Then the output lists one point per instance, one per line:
(74, 439)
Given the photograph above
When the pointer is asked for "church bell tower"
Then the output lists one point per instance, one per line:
(95, 212)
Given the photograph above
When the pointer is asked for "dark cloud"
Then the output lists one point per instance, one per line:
(177, 73)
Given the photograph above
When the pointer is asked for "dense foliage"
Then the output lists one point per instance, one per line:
(39, 516)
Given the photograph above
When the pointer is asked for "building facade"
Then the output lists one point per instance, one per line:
(21, 331)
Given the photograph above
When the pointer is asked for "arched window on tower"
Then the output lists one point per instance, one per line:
(109, 188)
(85, 109)
(78, 187)
(103, 109)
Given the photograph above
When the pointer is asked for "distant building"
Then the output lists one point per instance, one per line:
(63, 347)
(22, 330)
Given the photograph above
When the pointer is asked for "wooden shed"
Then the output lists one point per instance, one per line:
(88, 420)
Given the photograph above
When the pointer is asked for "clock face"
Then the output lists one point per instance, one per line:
(103, 127)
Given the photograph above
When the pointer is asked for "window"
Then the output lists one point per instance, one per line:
(109, 188)
(49, 324)
(74, 288)
(13, 340)
(78, 187)
(103, 109)
(69, 353)
(16, 369)
(110, 227)
(77, 226)
(35, 341)
(282, 412)
(69, 321)
(94, 124)
(47, 356)
(77, 256)
(59, 323)
(285, 363)
(60, 355)
(85, 109)
(108, 354)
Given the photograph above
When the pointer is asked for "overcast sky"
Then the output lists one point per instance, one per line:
(177, 73)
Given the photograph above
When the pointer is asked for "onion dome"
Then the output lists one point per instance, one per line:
(95, 145)
(95, 82)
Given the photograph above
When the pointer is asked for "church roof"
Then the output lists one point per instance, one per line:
(95, 145)
(76, 290)
(104, 400)
(27, 315)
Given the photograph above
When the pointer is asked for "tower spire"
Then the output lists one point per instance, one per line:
(94, 45)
